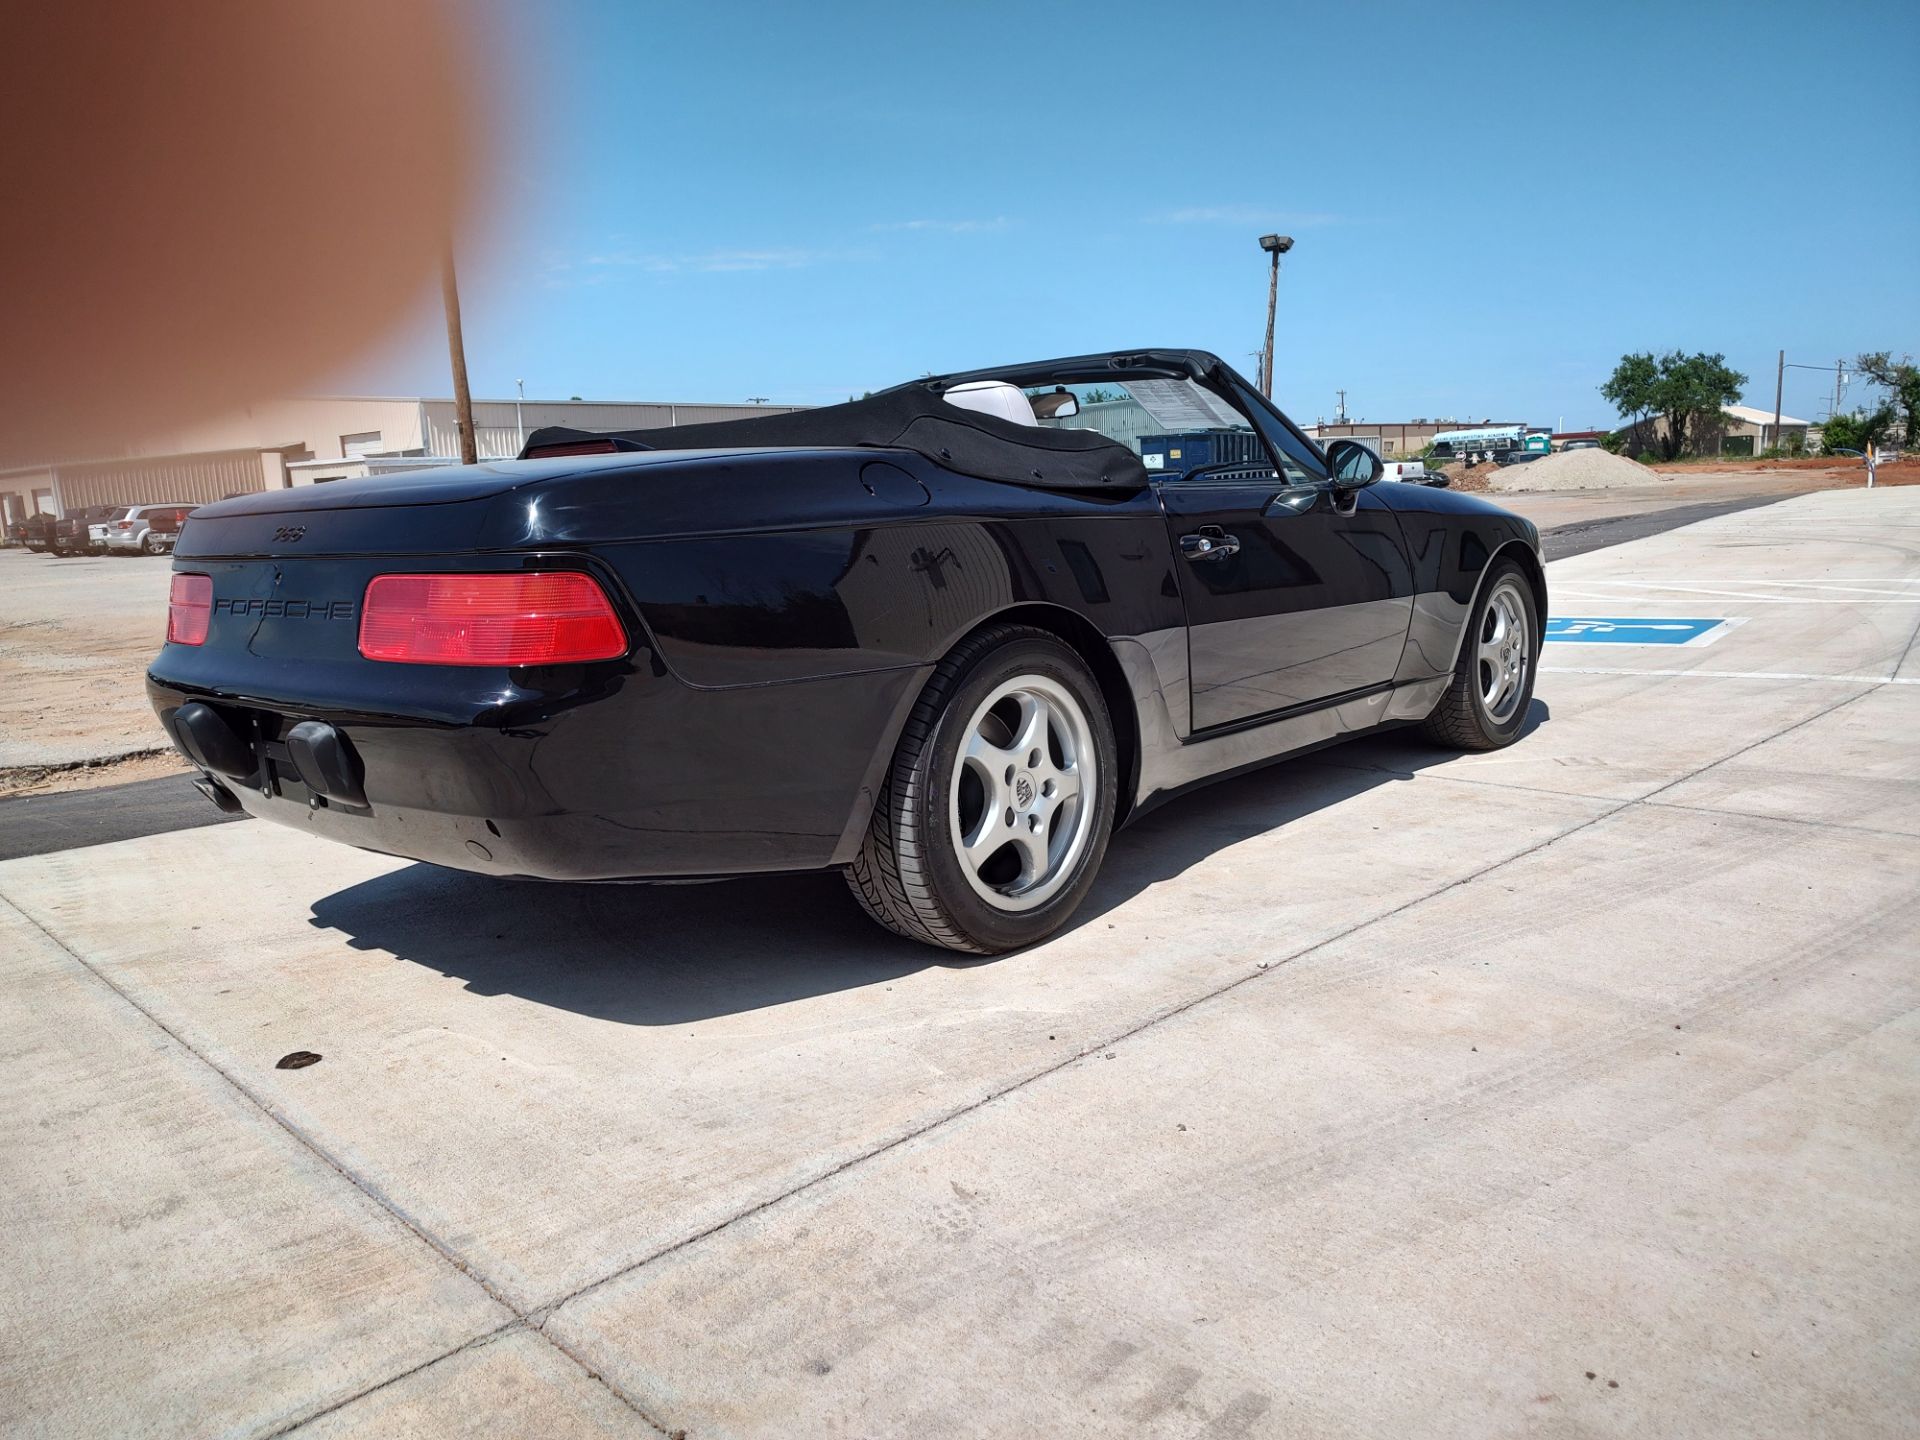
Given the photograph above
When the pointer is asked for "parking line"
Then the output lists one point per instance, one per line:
(1615, 597)
(1760, 580)
(1732, 674)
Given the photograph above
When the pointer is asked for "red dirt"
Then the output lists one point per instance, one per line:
(1898, 472)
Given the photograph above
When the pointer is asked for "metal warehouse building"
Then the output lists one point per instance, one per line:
(292, 442)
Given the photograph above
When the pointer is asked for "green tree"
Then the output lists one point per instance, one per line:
(1901, 380)
(1852, 432)
(1631, 387)
(1688, 391)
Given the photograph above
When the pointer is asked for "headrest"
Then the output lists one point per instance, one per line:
(993, 397)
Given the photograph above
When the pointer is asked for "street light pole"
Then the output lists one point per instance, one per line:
(1779, 386)
(519, 420)
(1276, 246)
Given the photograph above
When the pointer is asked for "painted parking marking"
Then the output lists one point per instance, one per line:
(1636, 630)
(1583, 590)
(1731, 675)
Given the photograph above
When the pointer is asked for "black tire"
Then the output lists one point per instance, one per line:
(1464, 720)
(909, 873)
(151, 546)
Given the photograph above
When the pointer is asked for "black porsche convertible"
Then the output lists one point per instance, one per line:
(944, 639)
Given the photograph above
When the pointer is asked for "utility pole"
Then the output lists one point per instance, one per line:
(457, 351)
(1276, 246)
(1779, 385)
(519, 420)
(1839, 373)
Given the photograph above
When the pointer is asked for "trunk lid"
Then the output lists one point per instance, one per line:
(561, 503)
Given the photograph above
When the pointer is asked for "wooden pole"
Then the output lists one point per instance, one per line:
(457, 352)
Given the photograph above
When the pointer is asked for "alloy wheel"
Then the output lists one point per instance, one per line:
(1021, 805)
(1505, 650)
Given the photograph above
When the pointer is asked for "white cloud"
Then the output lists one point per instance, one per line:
(603, 266)
(706, 261)
(1245, 215)
(949, 227)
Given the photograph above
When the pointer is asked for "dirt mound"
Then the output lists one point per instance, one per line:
(1574, 470)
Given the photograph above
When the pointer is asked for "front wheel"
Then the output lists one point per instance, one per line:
(995, 813)
(1486, 706)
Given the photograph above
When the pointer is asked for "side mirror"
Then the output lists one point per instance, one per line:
(1353, 465)
(1058, 404)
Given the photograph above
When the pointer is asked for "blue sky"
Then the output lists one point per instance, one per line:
(1491, 203)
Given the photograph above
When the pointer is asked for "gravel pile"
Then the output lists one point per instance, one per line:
(1573, 470)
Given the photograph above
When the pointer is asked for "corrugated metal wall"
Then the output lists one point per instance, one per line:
(191, 479)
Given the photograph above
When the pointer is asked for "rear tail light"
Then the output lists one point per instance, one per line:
(189, 609)
(123, 524)
(537, 618)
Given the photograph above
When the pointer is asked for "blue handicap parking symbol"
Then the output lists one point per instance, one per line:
(1629, 630)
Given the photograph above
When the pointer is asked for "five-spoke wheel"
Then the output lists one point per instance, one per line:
(1017, 814)
(997, 807)
(1505, 648)
(1485, 706)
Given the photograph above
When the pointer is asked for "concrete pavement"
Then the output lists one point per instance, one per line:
(1382, 1091)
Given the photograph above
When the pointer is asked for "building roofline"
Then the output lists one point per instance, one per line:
(44, 466)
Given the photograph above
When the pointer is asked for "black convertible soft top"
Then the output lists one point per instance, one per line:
(910, 417)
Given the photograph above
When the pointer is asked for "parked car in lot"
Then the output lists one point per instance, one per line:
(97, 530)
(36, 532)
(927, 638)
(1411, 472)
(73, 531)
(163, 527)
(134, 529)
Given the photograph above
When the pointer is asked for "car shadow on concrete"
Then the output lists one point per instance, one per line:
(675, 954)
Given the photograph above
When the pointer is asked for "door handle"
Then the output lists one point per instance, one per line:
(1209, 543)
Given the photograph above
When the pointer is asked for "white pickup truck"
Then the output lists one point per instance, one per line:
(1414, 472)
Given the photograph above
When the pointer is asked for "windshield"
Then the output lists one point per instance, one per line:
(1175, 426)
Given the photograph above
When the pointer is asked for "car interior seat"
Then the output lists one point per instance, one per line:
(993, 397)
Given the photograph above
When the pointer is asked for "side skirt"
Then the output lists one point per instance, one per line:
(1169, 766)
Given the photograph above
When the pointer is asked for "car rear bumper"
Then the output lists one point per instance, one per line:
(589, 773)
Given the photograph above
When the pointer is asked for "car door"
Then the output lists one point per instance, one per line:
(1296, 592)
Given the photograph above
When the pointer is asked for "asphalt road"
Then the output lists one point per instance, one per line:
(66, 820)
(1566, 1090)
(1578, 537)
